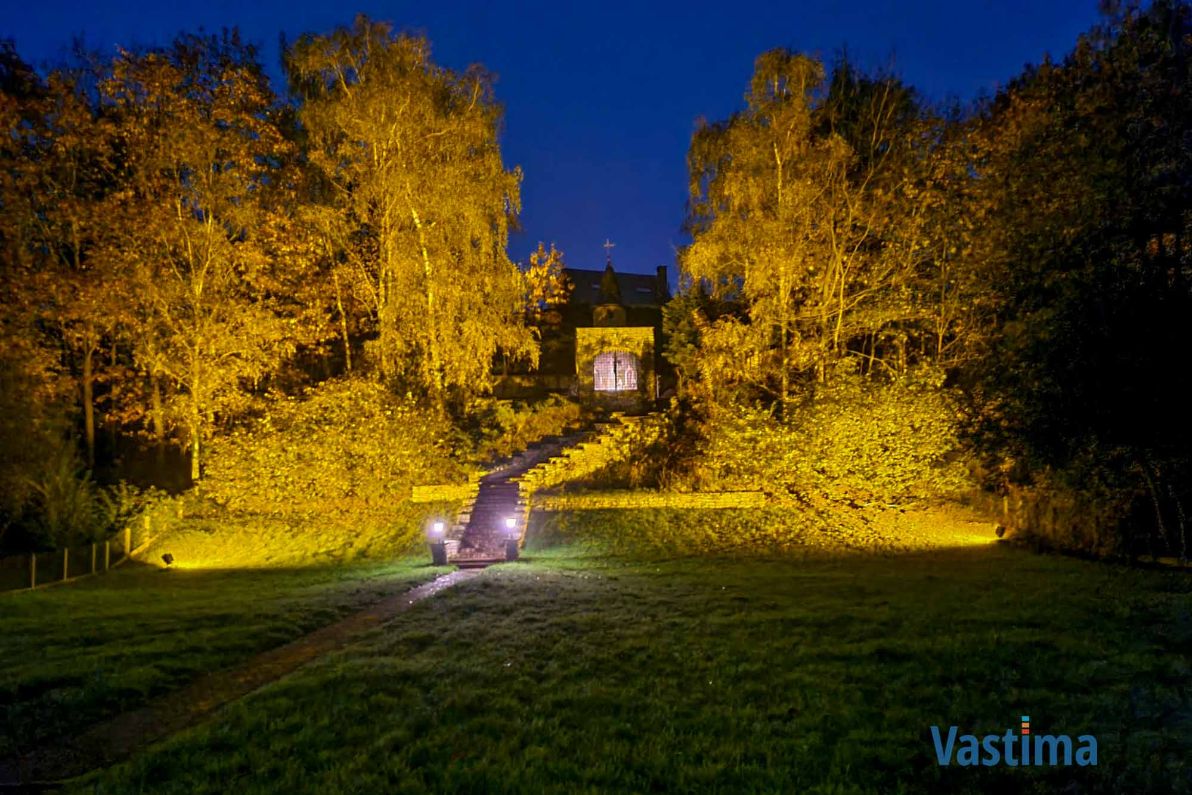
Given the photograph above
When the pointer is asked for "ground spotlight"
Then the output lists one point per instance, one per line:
(436, 535)
(511, 538)
(168, 559)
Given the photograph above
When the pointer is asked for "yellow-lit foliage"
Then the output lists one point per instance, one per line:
(210, 538)
(855, 441)
(817, 529)
(887, 442)
(347, 446)
(811, 211)
(193, 232)
(507, 427)
(420, 203)
(547, 286)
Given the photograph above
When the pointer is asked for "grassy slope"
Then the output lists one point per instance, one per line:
(73, 654)
(579, 672)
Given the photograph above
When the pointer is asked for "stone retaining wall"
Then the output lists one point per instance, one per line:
(649, 499)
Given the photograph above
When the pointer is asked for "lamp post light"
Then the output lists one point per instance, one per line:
(438, 543)
(511, 538)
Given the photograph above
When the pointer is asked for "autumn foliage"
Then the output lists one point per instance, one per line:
(310, 294)
(348, 446)
(881, 294)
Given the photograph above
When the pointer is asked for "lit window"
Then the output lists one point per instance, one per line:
(615, 371)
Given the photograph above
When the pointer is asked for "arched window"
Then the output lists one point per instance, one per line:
(615, 371)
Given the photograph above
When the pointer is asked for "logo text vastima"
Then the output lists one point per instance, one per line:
(1012, 749)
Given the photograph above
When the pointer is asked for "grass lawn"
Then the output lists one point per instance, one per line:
(73, 654)
(577, 670)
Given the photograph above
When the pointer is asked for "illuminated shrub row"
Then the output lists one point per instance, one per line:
(348, 445)
(885, 443)
(212, 538)
(816, 528)
(643, 498)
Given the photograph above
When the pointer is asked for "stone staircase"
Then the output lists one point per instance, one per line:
(478, 537)
(608, 443)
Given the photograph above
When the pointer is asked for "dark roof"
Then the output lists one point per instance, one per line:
(637, 289)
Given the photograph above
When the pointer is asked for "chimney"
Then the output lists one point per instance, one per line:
(662, 285)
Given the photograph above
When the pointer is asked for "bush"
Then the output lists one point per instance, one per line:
(504, 427)
(210, 537)
(1105, 503)
(66, 503)
(68, 508)
(855, 440)
(347, 445)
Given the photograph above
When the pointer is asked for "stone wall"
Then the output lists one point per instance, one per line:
(649, 499)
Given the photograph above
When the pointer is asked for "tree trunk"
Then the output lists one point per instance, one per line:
(343, 324)
(159, 412)
(89, 402)
(196, 418)
(159, 419)
(432, 338)
(194, 454)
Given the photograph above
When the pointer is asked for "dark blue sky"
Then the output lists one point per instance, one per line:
(601, 97)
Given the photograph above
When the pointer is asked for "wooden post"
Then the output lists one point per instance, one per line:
(107, 554)
(33, 570)
(92, 557)
(65, 562)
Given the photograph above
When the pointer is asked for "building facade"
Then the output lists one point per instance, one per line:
(602, 346)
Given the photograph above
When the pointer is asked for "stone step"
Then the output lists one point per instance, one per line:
(475, 563)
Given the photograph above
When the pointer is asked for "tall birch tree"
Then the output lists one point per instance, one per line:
(191, 228)
(416, 204)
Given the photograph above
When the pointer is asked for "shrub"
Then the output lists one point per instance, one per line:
(211, 537)
(66, 502)
(347, 445)
(504, 427)
(884, 442)
(854, 439)
(1113, 502)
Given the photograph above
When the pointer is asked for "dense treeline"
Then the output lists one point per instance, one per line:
(1031, 258)
(179, 243)
(881, 299)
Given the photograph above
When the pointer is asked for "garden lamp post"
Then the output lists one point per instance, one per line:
(511, 538)
(438, 543)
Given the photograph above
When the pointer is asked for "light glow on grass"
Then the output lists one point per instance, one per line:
(591, 674)
(256, 541)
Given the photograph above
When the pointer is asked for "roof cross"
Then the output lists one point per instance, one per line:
(608, 249)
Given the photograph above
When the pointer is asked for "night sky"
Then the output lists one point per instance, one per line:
(601, 98)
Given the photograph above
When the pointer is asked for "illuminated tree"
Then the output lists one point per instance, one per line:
(60, 169)
(212, 311)
(547, 286)
(819, 208)
(416, 203)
